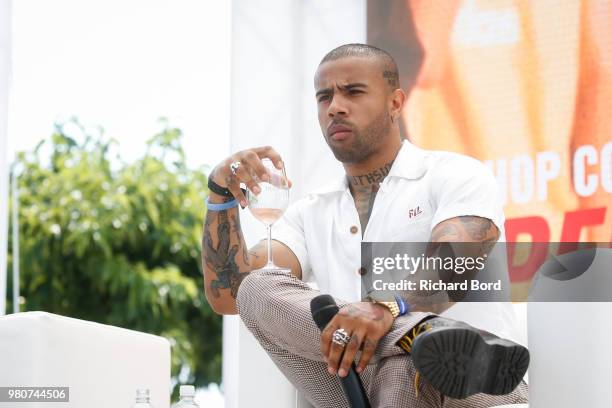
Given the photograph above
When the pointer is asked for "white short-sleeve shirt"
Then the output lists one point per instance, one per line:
(422, 189)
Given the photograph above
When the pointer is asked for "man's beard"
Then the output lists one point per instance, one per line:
(365, 142)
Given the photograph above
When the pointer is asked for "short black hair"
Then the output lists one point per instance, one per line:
(389, 67)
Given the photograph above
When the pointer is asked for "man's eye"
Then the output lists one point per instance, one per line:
(323, 98)
(355, 91)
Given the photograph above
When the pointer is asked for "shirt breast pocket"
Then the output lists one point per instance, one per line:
(411, 231)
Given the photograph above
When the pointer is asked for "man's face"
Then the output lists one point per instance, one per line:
(353, 105)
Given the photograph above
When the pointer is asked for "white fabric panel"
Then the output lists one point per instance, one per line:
(276, 48)
(570, 354)
(5, 61)
(569, 342)
(103, 365)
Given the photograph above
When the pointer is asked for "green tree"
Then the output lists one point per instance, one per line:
(118, 243)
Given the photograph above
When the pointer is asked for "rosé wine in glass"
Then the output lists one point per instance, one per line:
(270, 203)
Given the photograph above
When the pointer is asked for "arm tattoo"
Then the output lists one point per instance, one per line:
(236, 230)
(480, 233)
(445, 232)
(477, 228)
(222, 258)
(465, 229)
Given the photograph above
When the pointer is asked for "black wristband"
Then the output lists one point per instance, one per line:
(222, 191)
(217, 189)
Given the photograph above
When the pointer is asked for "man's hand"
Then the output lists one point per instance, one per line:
(250, 172)
(366, 323)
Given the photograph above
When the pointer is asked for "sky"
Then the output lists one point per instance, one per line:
(122, 65)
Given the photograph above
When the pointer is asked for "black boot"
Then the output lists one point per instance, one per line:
(460, 360)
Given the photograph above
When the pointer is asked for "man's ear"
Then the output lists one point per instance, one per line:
(397, 101)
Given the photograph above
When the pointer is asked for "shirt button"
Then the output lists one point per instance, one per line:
(354, 229)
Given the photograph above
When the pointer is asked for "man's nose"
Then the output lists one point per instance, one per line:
(336, 107)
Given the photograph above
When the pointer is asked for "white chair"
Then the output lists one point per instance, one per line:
(102, 365)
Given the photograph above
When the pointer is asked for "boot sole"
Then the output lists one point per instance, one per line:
(459, 362)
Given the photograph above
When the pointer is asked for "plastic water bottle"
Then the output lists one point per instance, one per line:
(142, 398)
(186, 397)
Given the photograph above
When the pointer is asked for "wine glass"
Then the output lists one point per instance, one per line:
(270, 203)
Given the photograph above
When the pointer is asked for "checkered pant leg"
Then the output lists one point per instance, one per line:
(275, 307)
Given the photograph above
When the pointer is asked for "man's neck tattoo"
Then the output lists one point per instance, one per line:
(372, 177)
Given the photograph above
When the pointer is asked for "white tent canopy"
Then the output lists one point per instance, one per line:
(5, 54)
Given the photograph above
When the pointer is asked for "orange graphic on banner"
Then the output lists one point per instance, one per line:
(527, 88)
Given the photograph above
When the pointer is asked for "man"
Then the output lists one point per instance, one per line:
(359, 103)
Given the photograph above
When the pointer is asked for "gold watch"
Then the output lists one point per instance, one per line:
(392, 306)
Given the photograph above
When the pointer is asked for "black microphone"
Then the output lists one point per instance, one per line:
(323, 309)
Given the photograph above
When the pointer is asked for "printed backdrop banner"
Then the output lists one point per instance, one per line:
(525, 87)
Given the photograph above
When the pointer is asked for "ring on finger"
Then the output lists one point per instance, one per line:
(234, 166)
(341, 337)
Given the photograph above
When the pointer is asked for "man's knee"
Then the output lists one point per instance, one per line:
(262, 289)
(247, 298)
(261, 306)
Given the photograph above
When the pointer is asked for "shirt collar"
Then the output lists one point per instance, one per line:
(409, 164)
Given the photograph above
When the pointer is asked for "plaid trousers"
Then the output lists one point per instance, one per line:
(275, 307)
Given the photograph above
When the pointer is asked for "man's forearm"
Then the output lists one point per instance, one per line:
(225, 259)
(473, 237)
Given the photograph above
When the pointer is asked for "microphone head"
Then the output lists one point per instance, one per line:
(323, 309)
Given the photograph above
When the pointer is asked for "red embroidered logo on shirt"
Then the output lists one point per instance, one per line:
(415, 212)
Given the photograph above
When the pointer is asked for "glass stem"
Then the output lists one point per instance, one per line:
(270, 264)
